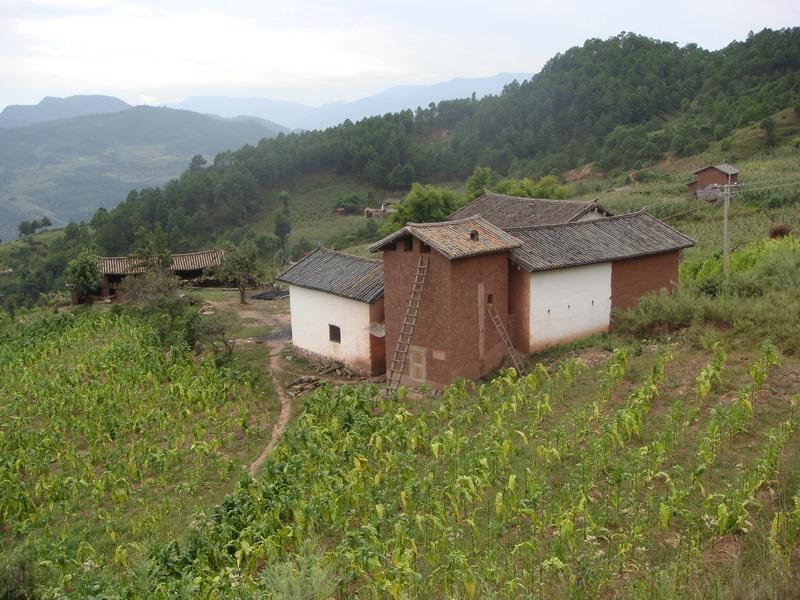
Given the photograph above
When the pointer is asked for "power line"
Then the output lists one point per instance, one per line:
(744, 187)
(707, 220)
(726, 189)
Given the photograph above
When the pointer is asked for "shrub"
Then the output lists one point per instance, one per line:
(779, 230)
(16, 580)
(84, 274)
(759, 297)
(306, 576)
(218, 328)
(156, 296)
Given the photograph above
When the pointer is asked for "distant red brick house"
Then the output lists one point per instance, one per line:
(708, 182)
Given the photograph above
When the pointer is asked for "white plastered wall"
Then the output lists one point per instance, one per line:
(312, 313)
(590, 216)
(568, 304)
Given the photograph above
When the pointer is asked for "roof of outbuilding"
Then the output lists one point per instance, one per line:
(513, 211)
(339, 274)
(455, 239)
(192, 261)
(726, 168)
(599, 240)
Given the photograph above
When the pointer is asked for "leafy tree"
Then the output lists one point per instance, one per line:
(479, 182)
(424, 204)
(544, 187)
(219, 327)
(156, 296)
(238, 266)
(768, 127)
(301, 248)
(283, 227)
(83, 272)
(284, 198)
(27, 228)
(151, 248)
(352, 205)
(197, 163)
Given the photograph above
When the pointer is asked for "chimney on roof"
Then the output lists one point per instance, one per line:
(473, 235)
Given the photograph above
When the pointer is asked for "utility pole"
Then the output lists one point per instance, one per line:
(727, 201)
(725, 248)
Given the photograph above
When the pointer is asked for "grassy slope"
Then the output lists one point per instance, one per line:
(313, 200)
(662, 188)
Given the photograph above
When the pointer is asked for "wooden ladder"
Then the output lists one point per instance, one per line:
(400, 354)
(512, 352)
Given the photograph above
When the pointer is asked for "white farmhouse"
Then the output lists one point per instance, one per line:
(566, 278)
(336, 305)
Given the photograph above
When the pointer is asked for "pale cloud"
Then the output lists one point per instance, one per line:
(316, 51)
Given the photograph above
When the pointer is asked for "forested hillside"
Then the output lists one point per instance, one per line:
(68, 168)
(620, 103)
(237, 195)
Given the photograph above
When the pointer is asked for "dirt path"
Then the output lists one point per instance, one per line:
(280, 334)
(286, 406)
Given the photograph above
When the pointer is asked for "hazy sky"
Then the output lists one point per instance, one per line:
(315, 51)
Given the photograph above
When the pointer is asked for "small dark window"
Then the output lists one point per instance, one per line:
(425, 247)
(490, 299)
(408, 243)
(335, 333)
(473, 235)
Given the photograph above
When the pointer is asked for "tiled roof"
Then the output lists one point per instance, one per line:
(726, 168)
(455, 239)
(599, 240)
(339, 274)
(513, 211)
(193, 261)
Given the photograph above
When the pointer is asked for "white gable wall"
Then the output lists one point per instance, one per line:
(312, 313)
(567, 304)
(590, 216)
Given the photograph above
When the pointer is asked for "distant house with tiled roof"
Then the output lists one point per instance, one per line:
(336, 303)
(708, 182)
(504, 275)
(186, 266)
(513, 211)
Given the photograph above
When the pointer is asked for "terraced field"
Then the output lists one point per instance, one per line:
(109, 444)
(662, 471)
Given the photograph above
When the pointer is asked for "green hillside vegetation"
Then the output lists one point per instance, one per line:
(622, 103)
(237, 195)
(67, 169)
(109, 444)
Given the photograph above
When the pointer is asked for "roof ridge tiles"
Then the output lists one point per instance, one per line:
(528, 198)
(590, 221)
(340, 253)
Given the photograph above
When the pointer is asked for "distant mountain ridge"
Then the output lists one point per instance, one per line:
(394, 99)
(50, 109)
(65, 169)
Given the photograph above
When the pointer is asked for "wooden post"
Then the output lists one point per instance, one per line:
(727, 200)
